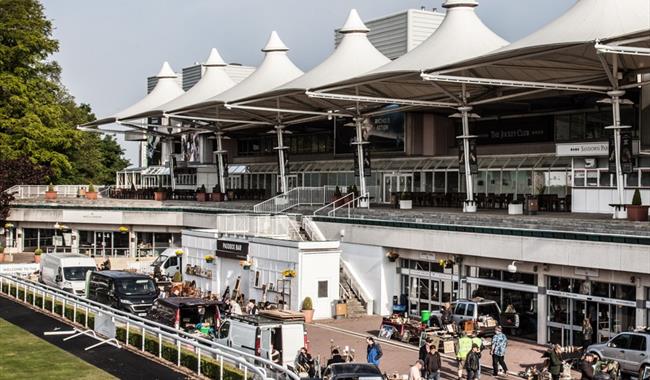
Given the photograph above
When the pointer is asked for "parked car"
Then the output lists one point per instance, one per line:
(132, 292)
(187, 313)
(167, 263)
(352, 371)
(66, 271)
(475, 309)
(258, 334)
(630, 349)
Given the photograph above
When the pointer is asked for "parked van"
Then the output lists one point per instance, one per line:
(259, 334)
(132, 292)
(187, 313)
(66, 271)
(168, 263)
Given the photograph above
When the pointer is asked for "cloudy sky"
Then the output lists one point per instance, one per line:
(109, 48)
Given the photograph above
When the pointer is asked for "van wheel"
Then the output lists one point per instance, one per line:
(641, 370)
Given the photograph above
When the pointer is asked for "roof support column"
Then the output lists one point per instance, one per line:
(619, 209)
(470, 204)
(220, 165)
(170, 142)
(358, 121)
(279, 130)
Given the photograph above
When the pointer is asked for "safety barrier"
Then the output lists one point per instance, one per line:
(177, 348)
(297, 196)
(64, 191)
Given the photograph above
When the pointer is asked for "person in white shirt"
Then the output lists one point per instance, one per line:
(415, 373)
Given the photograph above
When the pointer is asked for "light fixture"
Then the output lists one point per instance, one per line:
(512, 268)
(342, 232)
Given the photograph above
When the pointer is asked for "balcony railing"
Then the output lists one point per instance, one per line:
(64, 191)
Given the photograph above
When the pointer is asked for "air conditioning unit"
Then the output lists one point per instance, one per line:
(591, 163)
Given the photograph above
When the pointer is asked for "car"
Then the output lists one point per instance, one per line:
(473, 309)
(131, 292)
(352, 371)
(630, 349)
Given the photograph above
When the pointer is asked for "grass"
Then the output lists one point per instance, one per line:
(25, 356)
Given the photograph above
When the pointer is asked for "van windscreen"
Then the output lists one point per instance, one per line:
(76, 273)
(136, 286)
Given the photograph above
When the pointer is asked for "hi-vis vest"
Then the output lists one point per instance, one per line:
(464, 347)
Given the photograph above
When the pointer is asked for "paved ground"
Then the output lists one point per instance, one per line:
(398, 357)
(118, 362)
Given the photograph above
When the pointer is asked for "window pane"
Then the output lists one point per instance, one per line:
(322, 289)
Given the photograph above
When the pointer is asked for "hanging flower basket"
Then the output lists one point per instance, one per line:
(9, 225)
(289, 273)
(123, 229)
(179, 252)
(209, 259)
(245, 264)
(392, 256)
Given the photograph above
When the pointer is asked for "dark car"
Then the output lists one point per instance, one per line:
(187, 313)
(352, 371)
(132, 292)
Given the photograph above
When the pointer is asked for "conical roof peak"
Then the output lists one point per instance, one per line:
(214, 59)
(354, 24)
(166, 71)
(274, 43)
(460, 3)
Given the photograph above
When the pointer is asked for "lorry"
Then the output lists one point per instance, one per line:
(66, 271)
(187, 313)
(132, 292)
(261, 334)
(166, 264)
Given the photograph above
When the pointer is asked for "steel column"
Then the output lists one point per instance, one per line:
(616, 127)
(279, 130)
(220, 152)
(358, 121)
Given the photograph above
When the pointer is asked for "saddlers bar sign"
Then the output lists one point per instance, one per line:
(232, 249)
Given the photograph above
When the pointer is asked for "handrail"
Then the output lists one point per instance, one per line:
(64, 191)
(197, 344)
(333, 203)
(294, 231)
(354, 202)
(292, 198)
(312, 230)
(363, 293)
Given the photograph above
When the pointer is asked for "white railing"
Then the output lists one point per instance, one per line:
(35, 191)
(254, 225)
(357, 287)
(312, 230)
(333, 204)
(77, 310)
(295, 197)
(359, 202)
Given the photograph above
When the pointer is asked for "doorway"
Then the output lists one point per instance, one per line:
(396, 183)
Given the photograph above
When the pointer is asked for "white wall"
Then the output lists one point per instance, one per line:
(598, 200)
(376, 274)
(316, 267)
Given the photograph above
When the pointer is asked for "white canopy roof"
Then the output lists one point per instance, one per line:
(166, 89)
(214, 81)
(275, 70)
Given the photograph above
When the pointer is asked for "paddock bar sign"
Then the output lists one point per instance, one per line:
(582, 149)
(232, 249)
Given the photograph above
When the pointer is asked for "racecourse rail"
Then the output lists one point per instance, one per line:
(176, 348)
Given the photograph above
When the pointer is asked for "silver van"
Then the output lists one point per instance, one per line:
(630, 349)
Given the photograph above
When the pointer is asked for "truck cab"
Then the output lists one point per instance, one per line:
(66, 271)
(167, 264)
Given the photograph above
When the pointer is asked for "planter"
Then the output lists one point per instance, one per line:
(217, 197)
(637, 213)
(392, 259)
(159, 196)
(532, 205)
(309, 315)
(37, 259)
(231, 195)
(50, 195)
(92, 195)
(406, 204)
(515, 209)
(341, 310)
(2, 257)
(201, 197)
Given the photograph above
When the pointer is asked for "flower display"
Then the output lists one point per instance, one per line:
(208, 258)
(179, 252)
(289, 273)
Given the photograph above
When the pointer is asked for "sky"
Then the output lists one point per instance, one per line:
(109, 48)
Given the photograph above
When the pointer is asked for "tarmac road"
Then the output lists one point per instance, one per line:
(120, 363)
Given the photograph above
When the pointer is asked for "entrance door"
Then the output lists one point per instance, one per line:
(396, 183)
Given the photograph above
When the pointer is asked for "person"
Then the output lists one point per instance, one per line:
(473, 362)
(499, 345)
(446, 317)
(336, 357)
(554, 362)
(463, 347)
(374, 351)
(235, 309)
(587, 333)
(424, 350)
(414, 372)
(510, 309)
(479, 343)
(251, 307)
(432, 364)
(304, 362)
(587, 367)
(275, 355)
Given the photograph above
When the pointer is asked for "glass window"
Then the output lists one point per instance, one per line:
(600, 289)
(605, 179)
(592, 178)
(637, 343)
(632, 179)
(623, 292)
(322, 289)
(520, 278)
(423, 287)
(460, 309)
(470, 310)
(621, 341)
(645, 178)
(558, 309)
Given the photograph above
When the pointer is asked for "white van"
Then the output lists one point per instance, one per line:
(168, 263)
(256, 334)
(66, 271)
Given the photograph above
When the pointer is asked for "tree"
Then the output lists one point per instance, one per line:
(20, 171)
(38, 117)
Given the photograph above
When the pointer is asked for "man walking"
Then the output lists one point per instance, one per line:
(499, 344)
(473, 363)
(374, 351)
(463, 348)
(414, 372)
(432, 364)
(479, 343)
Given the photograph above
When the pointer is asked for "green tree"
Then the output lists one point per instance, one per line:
(38, 117)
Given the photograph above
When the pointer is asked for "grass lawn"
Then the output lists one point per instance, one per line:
(25, 356)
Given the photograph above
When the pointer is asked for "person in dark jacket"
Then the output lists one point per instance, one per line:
(587, 367)
(336, 358)
(473, 363)
(555, 363)
(432, 364)
(422, 354)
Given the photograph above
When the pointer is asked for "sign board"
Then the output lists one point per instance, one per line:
(57, 241)
(582, 149)
(19, 269)
(232, 249)
(473, 159)
(627, 159)
(366, 162)
(104, 325)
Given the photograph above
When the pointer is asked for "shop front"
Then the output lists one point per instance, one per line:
(426, 285)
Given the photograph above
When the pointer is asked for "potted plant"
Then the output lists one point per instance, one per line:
(123, 229)
(245, 264)
(209, 259)
(37, 255)
(217, 195)
(515, 207)
(160, 194)
(201, 196)
(392, 256)
(179, 252)
(308, 310)
(50, 194)
(91, 193)
(405, 202)
(2, 253)
(637, 212)
(289, 273)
